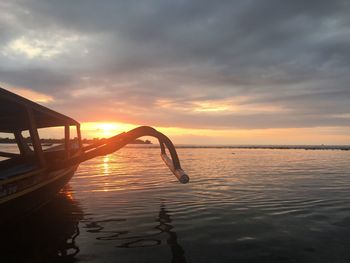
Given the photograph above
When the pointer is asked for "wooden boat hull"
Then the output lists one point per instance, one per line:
(30, 198)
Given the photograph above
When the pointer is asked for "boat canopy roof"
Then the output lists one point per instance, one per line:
(14, 114)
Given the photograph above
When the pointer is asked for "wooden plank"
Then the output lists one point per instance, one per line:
(9, 155)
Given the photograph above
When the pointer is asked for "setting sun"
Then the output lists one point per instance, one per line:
(107, 128)
(104, 129)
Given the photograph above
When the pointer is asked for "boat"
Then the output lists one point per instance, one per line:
(34, 175)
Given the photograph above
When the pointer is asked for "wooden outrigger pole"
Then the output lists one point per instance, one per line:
(112, 144)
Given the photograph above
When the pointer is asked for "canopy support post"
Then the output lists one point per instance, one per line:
(22, 145)
(79, 136)
(33, 131)
(66, 140)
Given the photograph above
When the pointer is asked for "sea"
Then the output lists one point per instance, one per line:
(241, 205)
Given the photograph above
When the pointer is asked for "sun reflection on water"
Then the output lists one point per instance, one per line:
(106, 169)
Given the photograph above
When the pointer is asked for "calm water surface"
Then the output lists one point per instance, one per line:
(241, 205)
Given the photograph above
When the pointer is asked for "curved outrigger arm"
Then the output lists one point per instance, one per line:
(110, 145)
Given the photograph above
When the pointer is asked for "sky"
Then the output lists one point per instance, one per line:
(204, 72)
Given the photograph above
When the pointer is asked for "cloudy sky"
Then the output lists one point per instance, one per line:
(225, 72)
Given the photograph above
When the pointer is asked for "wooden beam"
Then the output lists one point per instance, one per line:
(33, 131)
(66, 140)
(79, 136)
(22, 145)
(9, 155)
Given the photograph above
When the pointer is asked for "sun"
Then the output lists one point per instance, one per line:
(104, 129)
(107, 129)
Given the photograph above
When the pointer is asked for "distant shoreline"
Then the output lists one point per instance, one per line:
(265, 147)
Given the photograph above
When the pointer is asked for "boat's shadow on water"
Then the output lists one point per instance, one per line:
(47, 235)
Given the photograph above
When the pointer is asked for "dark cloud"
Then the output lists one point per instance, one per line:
(292, 55)
(38, 79)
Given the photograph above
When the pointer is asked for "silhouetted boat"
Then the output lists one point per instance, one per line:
(32, 177)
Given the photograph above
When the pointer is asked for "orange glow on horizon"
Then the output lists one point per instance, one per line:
(308, 136)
